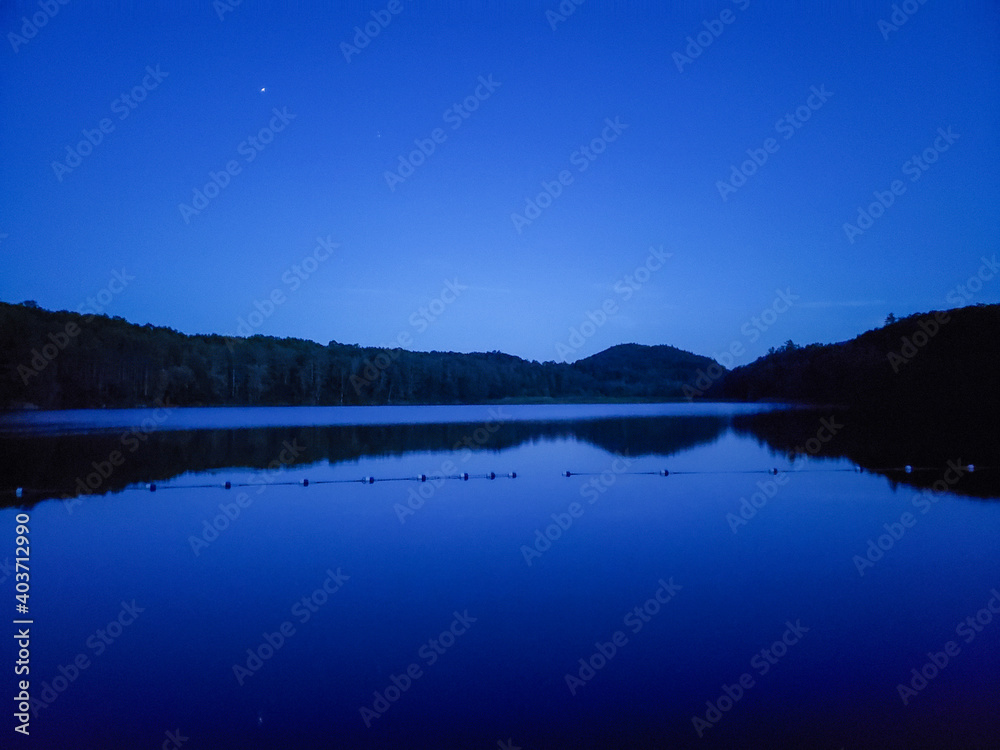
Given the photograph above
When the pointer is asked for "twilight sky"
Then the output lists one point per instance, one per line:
(233, 152)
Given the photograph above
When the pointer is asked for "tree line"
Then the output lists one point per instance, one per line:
(938, 368)
(65, 360)
(942, 364)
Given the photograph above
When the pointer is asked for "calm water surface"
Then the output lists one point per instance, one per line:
(612, 608)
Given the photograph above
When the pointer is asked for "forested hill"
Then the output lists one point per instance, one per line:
(64, 360)
(942, 366)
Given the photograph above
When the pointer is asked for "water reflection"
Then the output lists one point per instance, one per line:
(76, 464)
(208, 604)
(57, 465)
(882, 447)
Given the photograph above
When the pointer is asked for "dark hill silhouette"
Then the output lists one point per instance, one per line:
(636, 369)
(937, 368)
(920, 391)
(63, 360)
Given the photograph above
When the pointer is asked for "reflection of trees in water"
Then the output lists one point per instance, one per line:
(56, 463)
(878, 444)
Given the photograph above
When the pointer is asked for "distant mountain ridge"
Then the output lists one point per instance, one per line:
(63, 359)
(635, 364)
(941, 365)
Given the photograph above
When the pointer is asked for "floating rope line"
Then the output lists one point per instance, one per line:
(21, 492)
(970, 468)
(153, 487)
(666, 473)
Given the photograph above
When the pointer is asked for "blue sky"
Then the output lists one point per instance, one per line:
(442, 239)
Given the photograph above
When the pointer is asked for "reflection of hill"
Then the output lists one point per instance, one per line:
(877, 445)
(56, 463)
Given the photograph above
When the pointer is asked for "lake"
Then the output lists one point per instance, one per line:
(707, 576)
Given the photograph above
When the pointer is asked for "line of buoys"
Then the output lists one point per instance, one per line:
(660, 473)
(908, 469)
(664, 472)
(19, 492)
(465, 477)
